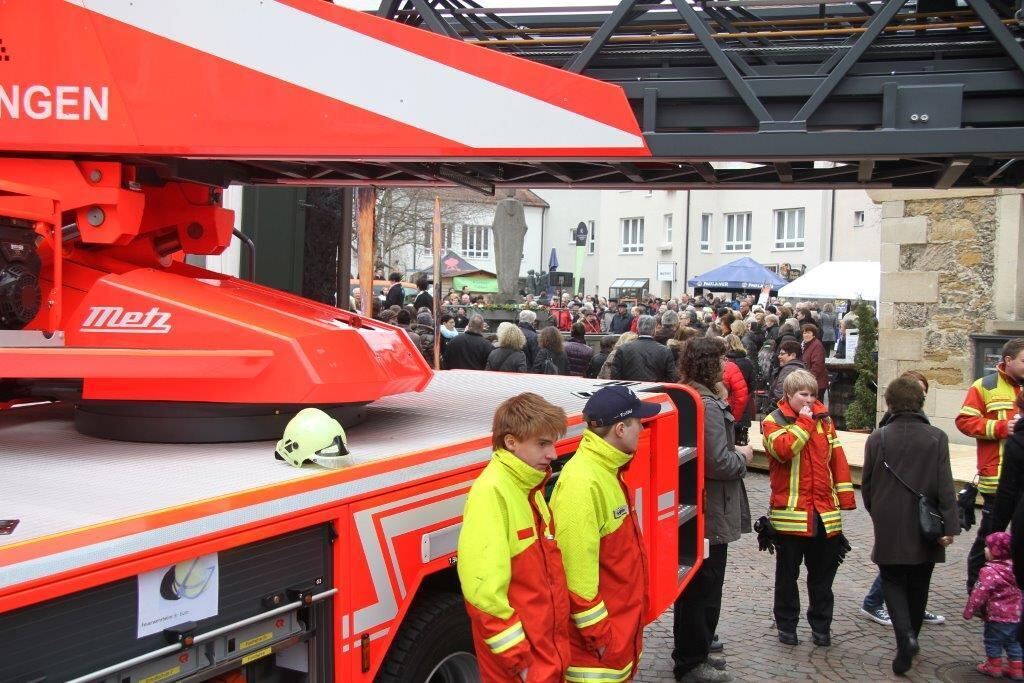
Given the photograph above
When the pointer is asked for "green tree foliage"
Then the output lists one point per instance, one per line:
(861, 413)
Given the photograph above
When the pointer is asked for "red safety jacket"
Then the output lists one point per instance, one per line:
(984, 416)
(605, 563)
(736, 386)
(807, 470)
(563, 319)
(512, 576)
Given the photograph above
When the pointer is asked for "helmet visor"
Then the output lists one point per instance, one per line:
(335, 448)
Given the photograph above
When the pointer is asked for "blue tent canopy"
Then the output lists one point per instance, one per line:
(743, 273)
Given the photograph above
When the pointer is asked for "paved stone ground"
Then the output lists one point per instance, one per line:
(861, 649)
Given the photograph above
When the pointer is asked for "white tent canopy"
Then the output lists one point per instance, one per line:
(837, 280)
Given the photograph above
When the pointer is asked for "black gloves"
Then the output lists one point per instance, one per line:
(765, 535)
(844, 546)
(965, 500)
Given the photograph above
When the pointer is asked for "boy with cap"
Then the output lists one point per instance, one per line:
(509, 566)
(598, 534)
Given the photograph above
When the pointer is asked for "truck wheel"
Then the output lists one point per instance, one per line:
(433, 645)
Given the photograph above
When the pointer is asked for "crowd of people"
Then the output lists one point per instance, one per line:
(729, 352)
(765, 339)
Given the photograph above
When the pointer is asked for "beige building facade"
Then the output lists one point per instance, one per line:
(667, 237)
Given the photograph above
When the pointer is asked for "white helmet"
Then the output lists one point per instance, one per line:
(313, 435)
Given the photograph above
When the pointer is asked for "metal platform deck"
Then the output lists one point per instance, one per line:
(59, 483)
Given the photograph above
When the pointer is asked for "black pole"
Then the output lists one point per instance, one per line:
(345, 250)
(250, 248)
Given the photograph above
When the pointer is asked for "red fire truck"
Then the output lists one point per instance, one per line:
(147, 533)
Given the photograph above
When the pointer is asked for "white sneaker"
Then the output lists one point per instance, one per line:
(933, 619)
(705, 673)
(879, 616)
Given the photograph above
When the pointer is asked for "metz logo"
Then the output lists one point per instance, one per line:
(116, 319)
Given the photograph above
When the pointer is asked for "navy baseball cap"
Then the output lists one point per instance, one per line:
(609, 405)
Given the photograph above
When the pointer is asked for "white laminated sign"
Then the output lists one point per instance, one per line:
(187, 591)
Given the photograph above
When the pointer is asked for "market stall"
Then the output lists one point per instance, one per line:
(741, 275)
(837, 280)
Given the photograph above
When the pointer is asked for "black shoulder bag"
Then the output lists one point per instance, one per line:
(928, 518)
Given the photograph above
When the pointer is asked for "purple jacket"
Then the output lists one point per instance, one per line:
(996, 596)
(578, 355)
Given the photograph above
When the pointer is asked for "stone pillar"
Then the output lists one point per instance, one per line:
(950, 264)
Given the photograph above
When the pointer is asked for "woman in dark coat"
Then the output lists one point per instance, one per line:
(551, 346)
(727, 511)
(598, 359)
(814, 357)
(1011, 475)
(508, 355)
(919, 454)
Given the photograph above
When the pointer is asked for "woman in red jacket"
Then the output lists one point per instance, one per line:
(735, 384)
(814, 357)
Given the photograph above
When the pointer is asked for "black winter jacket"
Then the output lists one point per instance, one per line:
(531, 342)
(395, 296)
(468, 351)
(507, 360)
(596, 362)
(1011, 480)
(559, 359)
(644, 360)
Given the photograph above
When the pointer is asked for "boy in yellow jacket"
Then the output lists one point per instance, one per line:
(597, 531)
(509, 565)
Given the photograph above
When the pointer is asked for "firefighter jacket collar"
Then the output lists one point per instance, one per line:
(525, 476)
(1013, 382)
(602, 452)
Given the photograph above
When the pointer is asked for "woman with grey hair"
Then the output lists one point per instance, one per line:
(508, 356)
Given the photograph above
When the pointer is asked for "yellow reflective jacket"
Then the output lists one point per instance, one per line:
(512, 576)
(605, 563)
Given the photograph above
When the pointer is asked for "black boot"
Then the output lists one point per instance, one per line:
(904, 654)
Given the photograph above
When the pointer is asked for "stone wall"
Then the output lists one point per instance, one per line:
(943, 278)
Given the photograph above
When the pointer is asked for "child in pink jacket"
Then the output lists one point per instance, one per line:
(997, 599)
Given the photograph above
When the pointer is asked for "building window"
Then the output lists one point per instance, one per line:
(632, 236)
(448, 232)
(705, 232)
(668, 227)
(858, 219)
(476, 241)
(591, 236)
(789, 229)
(737, 232)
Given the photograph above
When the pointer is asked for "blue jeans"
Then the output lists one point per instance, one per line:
(1001, 636)
(873, 600)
